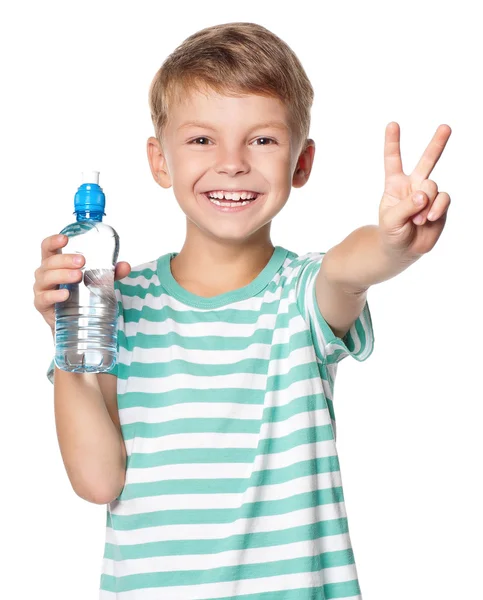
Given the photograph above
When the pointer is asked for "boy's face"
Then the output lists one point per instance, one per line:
(231, 148)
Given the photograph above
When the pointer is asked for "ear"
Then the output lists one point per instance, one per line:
(157, 163)
(304, 164)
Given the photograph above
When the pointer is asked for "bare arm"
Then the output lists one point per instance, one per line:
(85, 404)
(348, 270)
(339, 303)
(89, 434)
(339, 307)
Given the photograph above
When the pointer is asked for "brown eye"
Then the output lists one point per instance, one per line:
(265, 139)
(200, 138)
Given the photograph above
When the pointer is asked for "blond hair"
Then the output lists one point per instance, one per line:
(233, 59)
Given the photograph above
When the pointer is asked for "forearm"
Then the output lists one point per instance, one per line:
(360, 261)
(90, 443)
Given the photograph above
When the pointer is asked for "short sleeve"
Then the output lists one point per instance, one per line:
(113, 370)
(357, 342)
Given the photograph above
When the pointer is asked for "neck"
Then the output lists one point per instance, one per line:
(208, 266)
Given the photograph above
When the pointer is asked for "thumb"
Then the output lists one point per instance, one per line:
(404, 211)
(122, 270)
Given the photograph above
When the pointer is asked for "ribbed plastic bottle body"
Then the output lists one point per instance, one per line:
(86, 323)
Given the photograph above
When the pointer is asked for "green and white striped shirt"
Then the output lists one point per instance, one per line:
(233, 488)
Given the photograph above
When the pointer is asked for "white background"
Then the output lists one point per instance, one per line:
(75, 80)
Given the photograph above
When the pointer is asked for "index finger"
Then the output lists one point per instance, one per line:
(51, 244)
(431, 155)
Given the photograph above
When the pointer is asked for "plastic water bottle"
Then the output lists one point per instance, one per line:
(86, 323)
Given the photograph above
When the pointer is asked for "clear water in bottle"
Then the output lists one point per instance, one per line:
(86, 323)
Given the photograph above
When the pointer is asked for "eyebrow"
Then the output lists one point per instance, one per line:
(276, 124)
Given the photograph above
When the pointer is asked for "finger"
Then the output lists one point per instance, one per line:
(392, 150)
(430, 188)
(439, 207)
(431, 155)
(399, 214)
(55, 270)
(50, 279)
(63, 261)
(54, 277)
(45, 300)
(52, 244)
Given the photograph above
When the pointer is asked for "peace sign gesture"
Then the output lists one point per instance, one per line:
(409, 228)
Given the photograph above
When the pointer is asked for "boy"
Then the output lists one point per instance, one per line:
(213, 440)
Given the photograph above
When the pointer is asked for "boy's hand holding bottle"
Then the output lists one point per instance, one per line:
(57, 268)
(75, 292)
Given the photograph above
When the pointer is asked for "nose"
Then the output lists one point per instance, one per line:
(231, 161)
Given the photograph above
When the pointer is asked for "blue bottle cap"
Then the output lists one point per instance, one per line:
(89, 196)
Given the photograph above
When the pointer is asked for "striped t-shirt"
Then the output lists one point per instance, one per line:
(233, 488)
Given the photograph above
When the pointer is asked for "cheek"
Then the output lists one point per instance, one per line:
(275, 169)
(186, 170)
(282, 177)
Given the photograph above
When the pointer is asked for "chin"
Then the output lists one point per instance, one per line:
(230, 228)
(230, 233)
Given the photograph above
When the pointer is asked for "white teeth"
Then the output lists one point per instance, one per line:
(228, 204)
(220, 195)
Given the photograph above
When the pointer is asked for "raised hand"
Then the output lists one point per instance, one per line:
(407, 228)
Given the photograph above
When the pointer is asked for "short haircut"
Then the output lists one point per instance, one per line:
(234, 59)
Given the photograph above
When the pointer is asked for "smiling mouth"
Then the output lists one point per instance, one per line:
(232, 202)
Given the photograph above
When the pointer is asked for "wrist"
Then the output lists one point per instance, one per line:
(398, 259)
